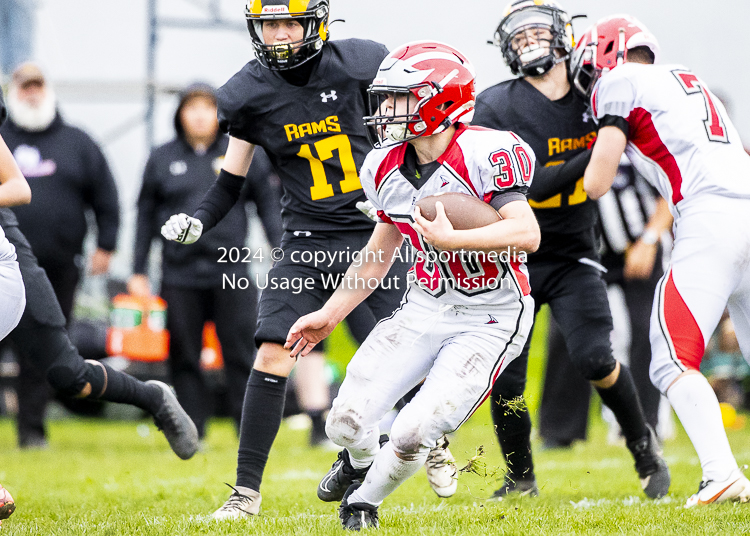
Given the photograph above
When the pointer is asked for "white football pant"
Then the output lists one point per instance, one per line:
(458, 350)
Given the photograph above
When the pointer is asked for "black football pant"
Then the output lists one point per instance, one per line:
(563, 414)
(577, 297)
(32, 388)
(64, 278)
(234, 312)
(47, 357)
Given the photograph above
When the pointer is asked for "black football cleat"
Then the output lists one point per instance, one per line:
(521, 487)
(651, 467)
(176, 425)
(339, 478)
(357, 516)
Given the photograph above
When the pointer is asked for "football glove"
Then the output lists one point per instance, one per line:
(367, 209)
(182, 228)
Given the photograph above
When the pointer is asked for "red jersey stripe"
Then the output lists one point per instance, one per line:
(683, 330)
(643, 135)
(392, 160)
(454, 157)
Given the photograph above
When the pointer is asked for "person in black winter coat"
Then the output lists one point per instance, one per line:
(68, 176)
(197, 282)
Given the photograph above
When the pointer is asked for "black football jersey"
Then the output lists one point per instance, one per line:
(314, 135)
(556, 131)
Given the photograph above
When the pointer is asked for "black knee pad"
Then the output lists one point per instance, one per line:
(595, 363)
(66, 379)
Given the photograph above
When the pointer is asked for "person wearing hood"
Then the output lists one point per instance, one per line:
(193, 282)
(68, 176)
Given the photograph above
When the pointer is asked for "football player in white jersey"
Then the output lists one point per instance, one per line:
(677, 134)
(467, 309)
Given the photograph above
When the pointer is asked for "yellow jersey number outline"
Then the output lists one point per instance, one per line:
(325, 148)
(576, 198)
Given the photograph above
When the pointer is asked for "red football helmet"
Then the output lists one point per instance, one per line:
(604, 46)
(438, 83)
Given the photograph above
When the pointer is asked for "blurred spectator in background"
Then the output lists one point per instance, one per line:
(177, 176)
(16, 33)
(68, 175)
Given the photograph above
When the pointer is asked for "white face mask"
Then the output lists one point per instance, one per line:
(532, 53)
(396, 131)
(32, 118)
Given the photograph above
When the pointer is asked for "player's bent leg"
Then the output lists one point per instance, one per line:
(458, 382)
(582, 311)
(73, 376)
(392, 360)
(680, 318)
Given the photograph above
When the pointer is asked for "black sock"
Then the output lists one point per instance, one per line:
(261, 419)
(123, 388)
(513, 430)
(622, 399)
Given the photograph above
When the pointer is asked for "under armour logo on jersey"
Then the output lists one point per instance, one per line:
(586, 116)
(492, 320)
(331, 95)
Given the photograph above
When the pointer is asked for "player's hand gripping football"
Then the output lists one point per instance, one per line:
(307, 332)
(438, 232)
(182, 228)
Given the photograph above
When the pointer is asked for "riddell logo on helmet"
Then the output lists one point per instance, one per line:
(272, 10)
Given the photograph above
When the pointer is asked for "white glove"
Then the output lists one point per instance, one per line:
(182, 228)
(367, 209)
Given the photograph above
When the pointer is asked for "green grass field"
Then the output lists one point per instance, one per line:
(120, 478)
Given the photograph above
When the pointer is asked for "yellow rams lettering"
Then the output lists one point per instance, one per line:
(304, 130)
(319, 127)
(329, 124)
(560, 145)
(333, 123)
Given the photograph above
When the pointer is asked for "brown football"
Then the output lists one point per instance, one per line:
(464, 211)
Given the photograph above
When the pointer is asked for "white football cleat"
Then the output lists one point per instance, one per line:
(734, 488)
(243, 502)
(442, 473)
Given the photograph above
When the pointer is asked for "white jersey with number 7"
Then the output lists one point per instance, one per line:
(680, 137)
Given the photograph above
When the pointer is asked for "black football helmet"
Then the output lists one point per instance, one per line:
(311, 14)
(523, 15)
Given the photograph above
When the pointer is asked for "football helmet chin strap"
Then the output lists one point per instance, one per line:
(534, 62)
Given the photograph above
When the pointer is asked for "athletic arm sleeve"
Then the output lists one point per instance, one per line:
(219, 199)
(552, 180)
(615, 121)
(500, 199)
